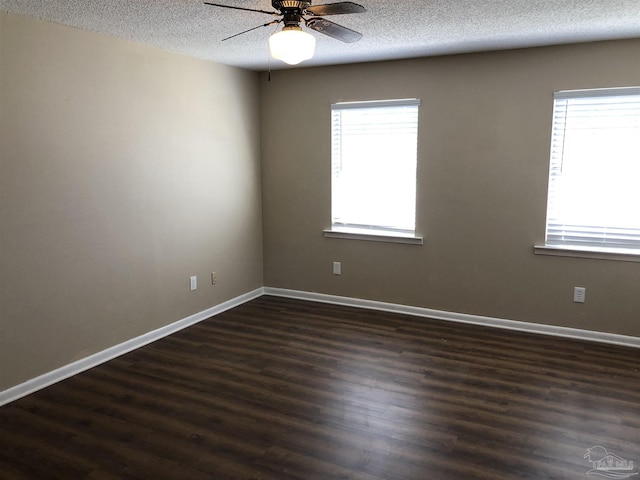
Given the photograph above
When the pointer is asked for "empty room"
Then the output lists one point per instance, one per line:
(294, 240)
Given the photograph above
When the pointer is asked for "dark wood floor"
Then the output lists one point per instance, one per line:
(290, 390)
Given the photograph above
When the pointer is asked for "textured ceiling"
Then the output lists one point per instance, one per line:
(392, 28)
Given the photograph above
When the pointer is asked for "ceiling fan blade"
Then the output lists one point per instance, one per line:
(333, 30)
(339, 8)
(241, 8)
(251, 29)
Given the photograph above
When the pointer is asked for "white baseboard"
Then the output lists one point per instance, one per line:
(91, 361)
(552, 330)
(38, 383)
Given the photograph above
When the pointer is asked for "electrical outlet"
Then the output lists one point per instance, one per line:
(214, 278)
(337, 268)
(579, 294)
(193, 283)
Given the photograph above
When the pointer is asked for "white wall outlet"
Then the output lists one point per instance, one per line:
(193, 283)
(579, 294)
(337, 268)
(214, 278)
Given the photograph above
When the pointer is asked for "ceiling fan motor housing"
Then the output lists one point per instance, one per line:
(290, 4)
(291, 10)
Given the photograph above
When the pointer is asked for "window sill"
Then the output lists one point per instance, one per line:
(373, 236)
(618, 254)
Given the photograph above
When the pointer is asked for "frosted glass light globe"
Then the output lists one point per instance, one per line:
(292, 45)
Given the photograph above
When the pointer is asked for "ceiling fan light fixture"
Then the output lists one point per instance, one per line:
(292, 45)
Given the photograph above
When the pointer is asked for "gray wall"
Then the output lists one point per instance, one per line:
(124, 170)
(485, 126)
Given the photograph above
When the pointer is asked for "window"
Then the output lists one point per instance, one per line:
(594, 181)
(373, 159)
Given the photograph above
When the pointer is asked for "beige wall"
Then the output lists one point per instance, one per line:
(482, 179)
(124, 170)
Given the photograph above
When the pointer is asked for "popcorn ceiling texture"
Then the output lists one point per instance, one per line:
(392, 28)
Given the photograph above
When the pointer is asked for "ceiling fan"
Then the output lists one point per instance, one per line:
(291, 44)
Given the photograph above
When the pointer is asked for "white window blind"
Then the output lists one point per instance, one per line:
(374, 152)
(594, 181)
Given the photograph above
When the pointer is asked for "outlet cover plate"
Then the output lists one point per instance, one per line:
(579, 294)
(337, 268)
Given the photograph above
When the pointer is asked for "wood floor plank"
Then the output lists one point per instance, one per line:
(281, 389)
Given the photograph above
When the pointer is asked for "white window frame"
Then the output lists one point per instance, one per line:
(598, 232)
(340, 225)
